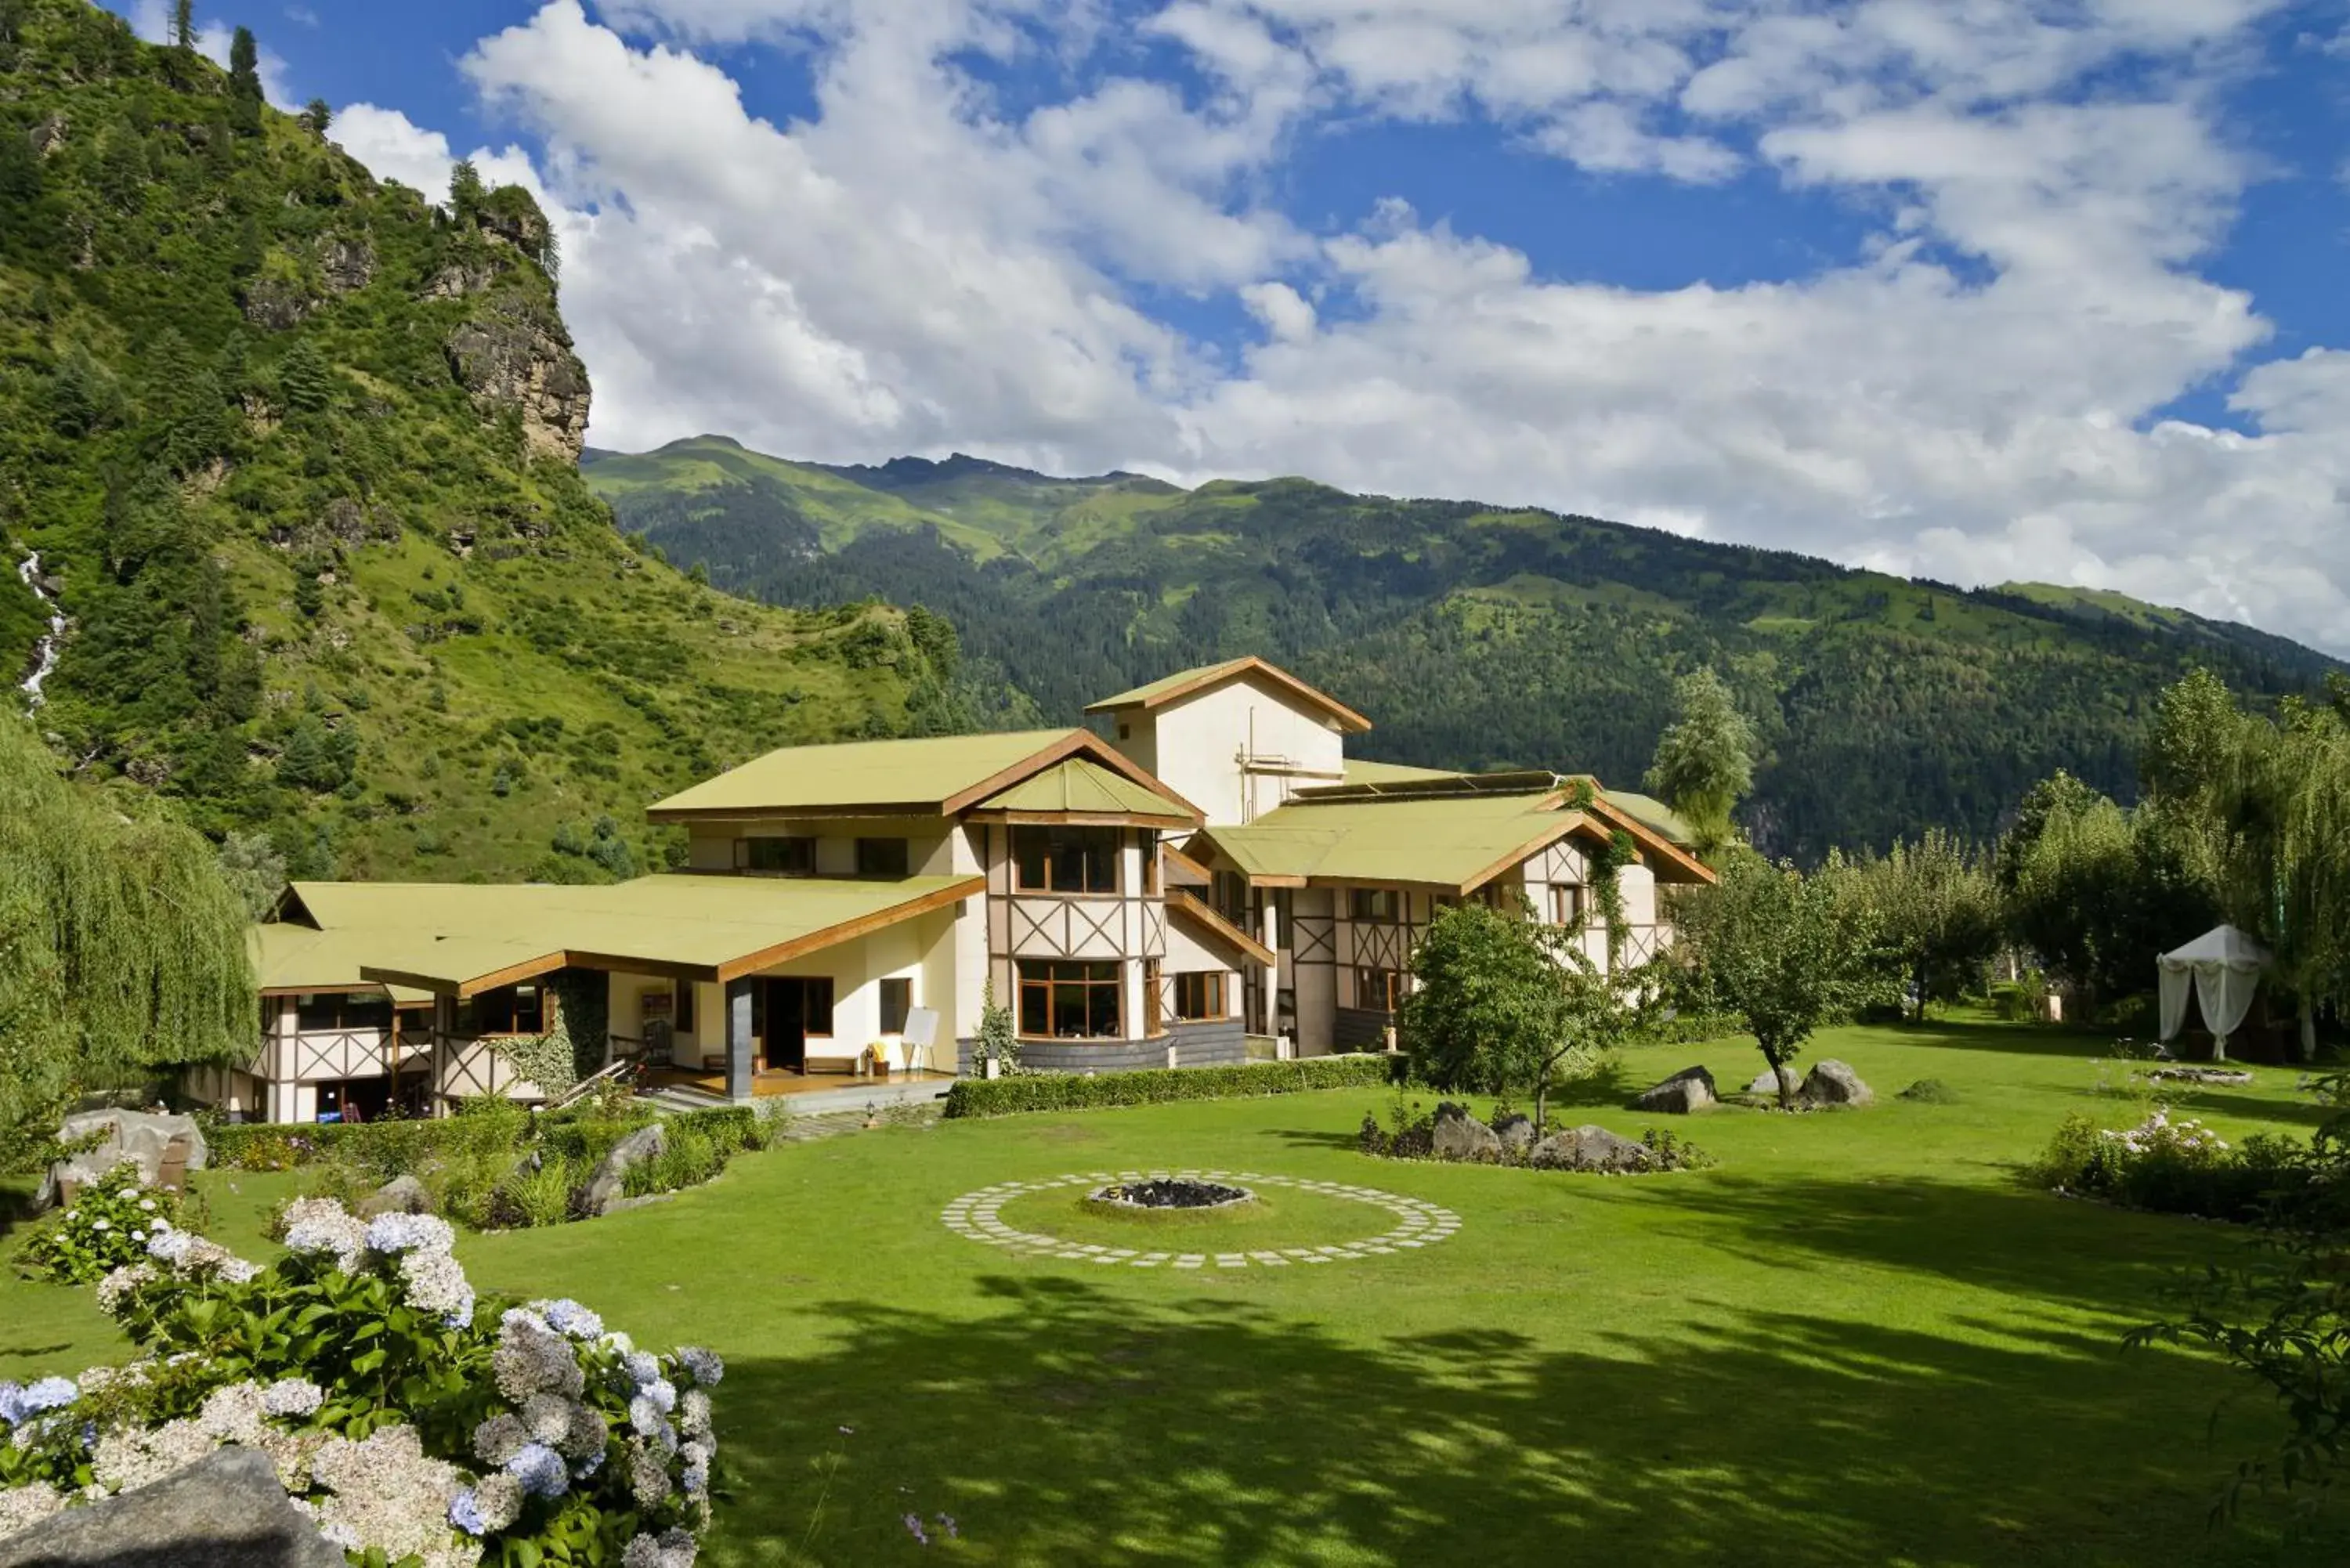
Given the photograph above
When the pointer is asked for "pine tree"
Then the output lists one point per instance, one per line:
(303, 376)
(245, 81)
(184, 26)
(317, 117)
(466, 193)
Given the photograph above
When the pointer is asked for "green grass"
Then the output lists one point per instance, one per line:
(1858, 1340)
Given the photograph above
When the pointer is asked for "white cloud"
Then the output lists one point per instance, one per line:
(1973, 394)
(151, 20)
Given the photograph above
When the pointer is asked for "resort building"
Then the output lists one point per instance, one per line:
(1206, 878)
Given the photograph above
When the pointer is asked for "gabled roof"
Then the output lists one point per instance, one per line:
(1654, 812)
(933, 776)
(461, 938)
(294, 960)
(1188, 683)
(1456, 832)
(1081, 788)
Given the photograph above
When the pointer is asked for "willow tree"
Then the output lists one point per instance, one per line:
(1705, 759)
(122, 948)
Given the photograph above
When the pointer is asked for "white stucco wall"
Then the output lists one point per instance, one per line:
(1194, 744)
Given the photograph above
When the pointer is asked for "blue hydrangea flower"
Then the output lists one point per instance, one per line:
(540, 1469)
(465, 1512)
(662, 1392)
(696, 1479)
(48, 1394)
(568, 1316)
(12, 1403)
(643, 1368)
(703, 1366)
(409, 1232)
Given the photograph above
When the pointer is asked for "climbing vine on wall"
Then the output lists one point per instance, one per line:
(574, 1044)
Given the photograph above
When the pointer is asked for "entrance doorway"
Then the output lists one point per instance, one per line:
(785, 1013)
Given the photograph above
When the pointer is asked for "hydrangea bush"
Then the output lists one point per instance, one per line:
(2174, 1164)
(415, 1423)
(106, 1226)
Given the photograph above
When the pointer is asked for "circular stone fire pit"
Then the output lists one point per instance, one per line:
(1169, 1192)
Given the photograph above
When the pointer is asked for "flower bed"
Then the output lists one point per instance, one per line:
(1155, 1086)
(107, 1225)
(2174, 1167)
(412, 1422)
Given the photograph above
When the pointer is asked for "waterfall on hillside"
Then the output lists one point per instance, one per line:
(46, 652)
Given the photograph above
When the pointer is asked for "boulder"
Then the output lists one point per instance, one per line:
(1460, 1136)
(1517, 1132)
(400, 1195)
(1769, 1083)
(608, 1184)
(1831, 1083)
(1589, 1147)
(1691, 1089)
(226, 1510)
(142, 1137)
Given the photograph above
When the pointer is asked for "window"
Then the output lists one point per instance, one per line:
(896, 1000)
(815, 1001)
(881, 858)
(1201, 995)
(342, 1010)
(685, 989)
(1374, 905)
(510, 1010)
(1067, 1000)
(1566, 906)
(794, 857)
(1378, 990)
(1228, 891)
(1064, 859)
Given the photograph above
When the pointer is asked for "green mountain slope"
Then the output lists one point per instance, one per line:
(296, 453)
(1475, 637)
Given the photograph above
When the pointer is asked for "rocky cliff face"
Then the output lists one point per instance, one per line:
(511, 355)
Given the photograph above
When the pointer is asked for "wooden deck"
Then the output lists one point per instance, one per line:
(766, 1084)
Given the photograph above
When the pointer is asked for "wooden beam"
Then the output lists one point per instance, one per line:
(849, 930)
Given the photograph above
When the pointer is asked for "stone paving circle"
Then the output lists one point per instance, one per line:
(977, 1215)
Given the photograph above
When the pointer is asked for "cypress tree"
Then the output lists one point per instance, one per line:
(304, 378)
(245, 81)
(184, 26)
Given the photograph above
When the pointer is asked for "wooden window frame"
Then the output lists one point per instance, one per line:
(902, 987)
(1570, 906)
(797, 848)
(349, 1012)
(1203, 996)
(1053, 838)
(903, 855)
(510, 997)
(1364, 906)
(1041, 980)
(1370, 980)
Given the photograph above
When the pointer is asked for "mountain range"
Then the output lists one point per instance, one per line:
(296, 453)
(1473, 636)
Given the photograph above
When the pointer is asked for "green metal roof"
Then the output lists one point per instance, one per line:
(1083, 786)
(1182, 679)
(289, 958)
(1200, 678)
(925, 773)
(1448, 841)
(1653, 812)
(445, 936)
(1362, 771)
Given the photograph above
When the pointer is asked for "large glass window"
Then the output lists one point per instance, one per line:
(1201, 995)
(1566, 907)
(896, 1000)
(1064, 859)
(511, 1010)
(1060, 1000)
(352, 1010)
(788, 856)
(881, 857)
(1374, 905)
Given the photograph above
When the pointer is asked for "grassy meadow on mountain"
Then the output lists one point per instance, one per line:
(1475, 637)
(296, 452)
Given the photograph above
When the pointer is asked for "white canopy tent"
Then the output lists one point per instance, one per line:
(2222, 967)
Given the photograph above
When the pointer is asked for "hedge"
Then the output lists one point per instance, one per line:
(1155, 1086)
(272, 1146)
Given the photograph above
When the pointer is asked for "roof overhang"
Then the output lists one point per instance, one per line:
(1215, 675)
(1188, 906)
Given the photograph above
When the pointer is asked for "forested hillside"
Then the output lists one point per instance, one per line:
(296, 453)
(1474, 637)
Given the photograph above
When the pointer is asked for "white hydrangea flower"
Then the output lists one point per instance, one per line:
(293, 1397)
(115, 1290)
(435, 1282)
(127, 1459)
(388, 1495)
(321, 1225)
(547, 1417)
(531, 1358)
(23, 1507)
(694, 1412)
(497, 1439)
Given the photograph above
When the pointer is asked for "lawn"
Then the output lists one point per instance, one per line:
(1859, 1339)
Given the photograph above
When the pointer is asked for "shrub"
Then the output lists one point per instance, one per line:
(2174, 1168)
(106, 1227)
(1157, 1086)
(456, 1434)
(1930, 1092)
(537, 1194)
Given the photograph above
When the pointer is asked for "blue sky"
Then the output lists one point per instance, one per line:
(2025, 288)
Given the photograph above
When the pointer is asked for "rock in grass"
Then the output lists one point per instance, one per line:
(1930, 1092)
(1831, 1083)
(1589, 1147)
(610, 1178)
(1460, 1136)
(1691, 1089)
(402, 1194)
(226, 1510)
(1515, 1130)
(1769, 1083)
